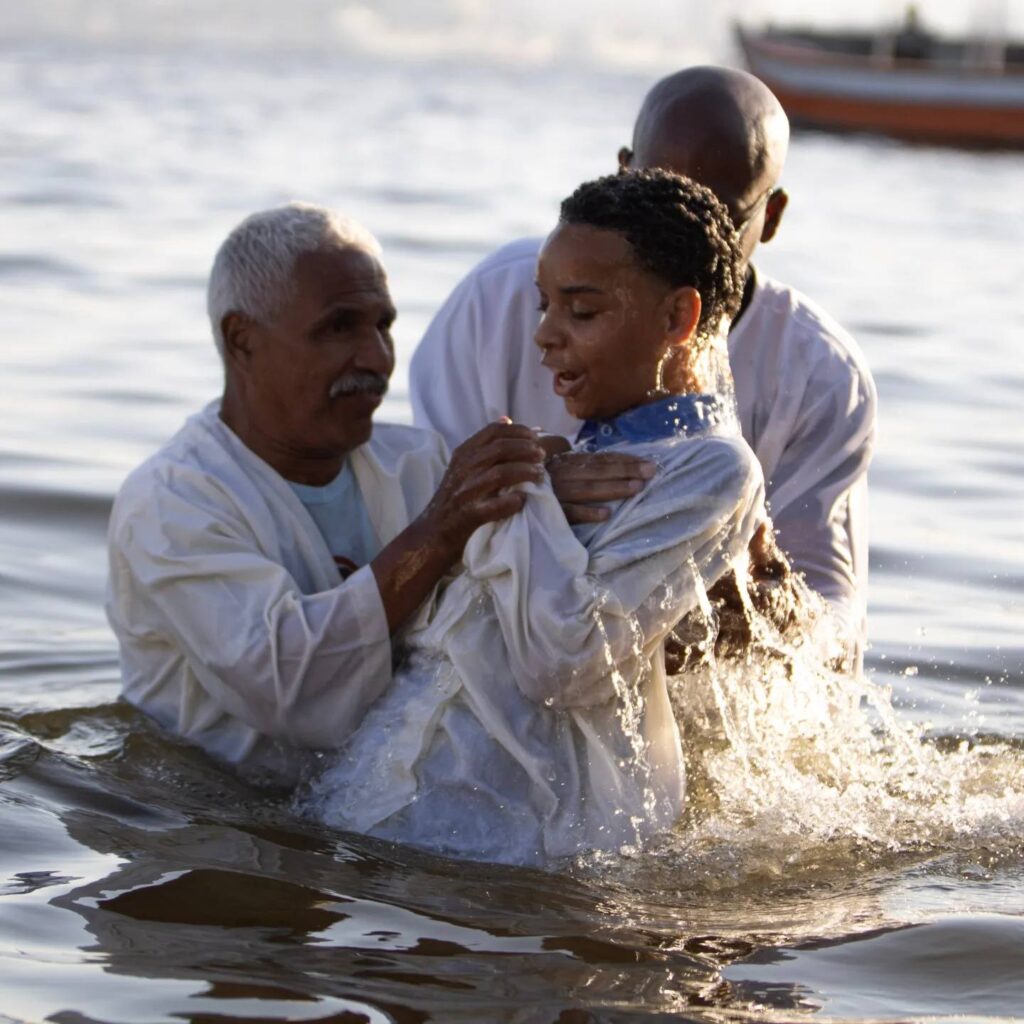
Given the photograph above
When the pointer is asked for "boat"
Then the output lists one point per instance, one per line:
(908, 83)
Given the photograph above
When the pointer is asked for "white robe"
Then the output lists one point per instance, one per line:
(805, 394)
(235, 630)
(532, 719)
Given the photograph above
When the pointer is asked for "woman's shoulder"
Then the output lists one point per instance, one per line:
(709, 457)
(712, 475)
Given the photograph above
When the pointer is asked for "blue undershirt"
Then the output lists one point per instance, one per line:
(340, 514)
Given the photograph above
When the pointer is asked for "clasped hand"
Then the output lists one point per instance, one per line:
(480, 483)
(767, 589)
(582, 480)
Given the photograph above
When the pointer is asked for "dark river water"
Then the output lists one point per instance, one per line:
(849, 863)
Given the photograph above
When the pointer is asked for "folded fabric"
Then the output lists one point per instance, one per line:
(531, 720)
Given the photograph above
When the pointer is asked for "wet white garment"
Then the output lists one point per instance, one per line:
(805, 394)
(531, 720)
(235, 629)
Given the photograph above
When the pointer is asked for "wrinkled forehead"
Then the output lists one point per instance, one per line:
(334, 271)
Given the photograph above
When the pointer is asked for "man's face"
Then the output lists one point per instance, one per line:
(603, 333)
(315, 375)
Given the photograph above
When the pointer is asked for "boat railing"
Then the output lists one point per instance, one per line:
(986, 54)
(898, 49)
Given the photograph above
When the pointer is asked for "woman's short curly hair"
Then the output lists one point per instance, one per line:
(677, 229)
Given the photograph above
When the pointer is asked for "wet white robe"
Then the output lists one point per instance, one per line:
(531, 720)
(234, 627)
(806, 399)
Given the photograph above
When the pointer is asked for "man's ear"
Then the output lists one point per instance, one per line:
(238, 332)
(683, 315)
(773, 211)
(625, 158)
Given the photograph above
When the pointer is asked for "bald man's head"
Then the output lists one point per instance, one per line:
(724, 129)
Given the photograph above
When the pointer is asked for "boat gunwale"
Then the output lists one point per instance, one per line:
(808, 55)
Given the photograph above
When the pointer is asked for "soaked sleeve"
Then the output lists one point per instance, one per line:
(302, 668)
(579, 624)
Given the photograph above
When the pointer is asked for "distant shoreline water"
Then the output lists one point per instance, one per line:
(647, 36)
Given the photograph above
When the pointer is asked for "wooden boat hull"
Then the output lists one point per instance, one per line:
(914, 100)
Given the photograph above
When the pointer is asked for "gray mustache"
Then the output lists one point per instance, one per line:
(362, 382)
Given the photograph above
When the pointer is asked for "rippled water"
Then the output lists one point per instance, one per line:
(835, 873)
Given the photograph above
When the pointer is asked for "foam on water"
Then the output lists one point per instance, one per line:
(796, 764)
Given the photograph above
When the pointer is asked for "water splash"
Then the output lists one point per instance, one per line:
(711, 368)
(794, 768)
(630, 712)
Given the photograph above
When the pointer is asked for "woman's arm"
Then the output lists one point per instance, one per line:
(573, 619)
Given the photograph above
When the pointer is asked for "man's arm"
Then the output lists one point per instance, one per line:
(818, 495)
(187, 573)
(478, 487)
(815, 546)
(188, 576)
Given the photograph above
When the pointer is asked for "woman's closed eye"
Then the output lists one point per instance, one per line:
(575, 314)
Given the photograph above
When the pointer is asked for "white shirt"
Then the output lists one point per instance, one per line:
(533, 721)
(235, 630)
(805, 394)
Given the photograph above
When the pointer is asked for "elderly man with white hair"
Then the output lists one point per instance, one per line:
(262, 560)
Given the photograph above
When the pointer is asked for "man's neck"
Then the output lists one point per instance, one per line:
(748, 293)
(298, 466)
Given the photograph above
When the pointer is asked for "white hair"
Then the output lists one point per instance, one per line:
(254, 269)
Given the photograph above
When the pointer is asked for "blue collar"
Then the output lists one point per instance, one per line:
(675, 416)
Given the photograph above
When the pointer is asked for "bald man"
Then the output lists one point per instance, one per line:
(805, 394)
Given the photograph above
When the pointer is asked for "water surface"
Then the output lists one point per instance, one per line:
(140, 882)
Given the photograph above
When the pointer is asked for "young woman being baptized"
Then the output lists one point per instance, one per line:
(530, 720)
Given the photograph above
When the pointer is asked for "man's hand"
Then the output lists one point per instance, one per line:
(580, 479)
(772, 587)
(768, 590)
(767, 561)
(476, 487)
